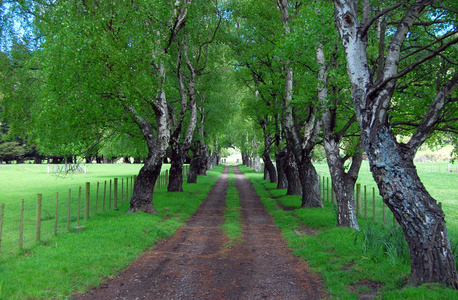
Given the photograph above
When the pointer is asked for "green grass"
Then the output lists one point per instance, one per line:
(25, 181)
(232, 225)
(74, 262)
(352, 262)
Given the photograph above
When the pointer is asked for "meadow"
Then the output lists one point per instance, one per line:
(26, 181)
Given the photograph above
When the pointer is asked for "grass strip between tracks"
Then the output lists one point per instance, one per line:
(232, 225)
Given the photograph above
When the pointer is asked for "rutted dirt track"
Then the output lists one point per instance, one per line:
(194, 265)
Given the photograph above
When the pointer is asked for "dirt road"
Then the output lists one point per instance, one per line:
(193, 264)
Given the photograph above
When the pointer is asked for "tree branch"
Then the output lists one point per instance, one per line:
(432, 116)
(369, 23)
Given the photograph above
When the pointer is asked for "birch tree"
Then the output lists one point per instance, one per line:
(373, 85)
(301, 137)
(108, 62)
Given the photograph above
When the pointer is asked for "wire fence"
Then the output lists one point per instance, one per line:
(31, 222)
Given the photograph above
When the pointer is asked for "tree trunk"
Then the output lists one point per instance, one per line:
(38, 159)
(281, 162)
(142, 198)
(244, 159)
(176, 172)
(391, 163)
(212, 160)
(419, 215)
(343, 183)
(292, 174)
(269, 166)
(203, 160)
(194, 167)
(311, 192)
(196, 160)
(266, 174)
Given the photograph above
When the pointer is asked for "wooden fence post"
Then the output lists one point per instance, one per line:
(79, 208)
(87, 198)
(373, 204)
(321, 186)
(115, 193)
(69, 208)
(358, 199)
(332, 193)
(56, 213)
(104, 194)
(21, 225)
(2, 213)
(127, 189)
(327, 189)
(96, 199)
(122, 190)
(109, 197)
(38, 218)
(365, 202)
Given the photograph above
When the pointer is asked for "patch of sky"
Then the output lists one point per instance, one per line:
(16, 26)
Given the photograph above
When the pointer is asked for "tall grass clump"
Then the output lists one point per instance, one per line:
(383, 242)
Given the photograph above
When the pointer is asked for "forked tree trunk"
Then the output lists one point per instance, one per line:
(281, 161)
(179, 148)
(300, 136)
(157, 140)
(343, 184)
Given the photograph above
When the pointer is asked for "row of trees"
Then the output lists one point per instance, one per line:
(151, 77)
(141, 79)
(354, 77)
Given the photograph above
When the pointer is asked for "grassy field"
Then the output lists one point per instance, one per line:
(72, 262)
(25, 181)
(440, 183)
(372, 262)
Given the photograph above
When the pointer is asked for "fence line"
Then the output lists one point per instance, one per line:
(358, 196)
(69, 218)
